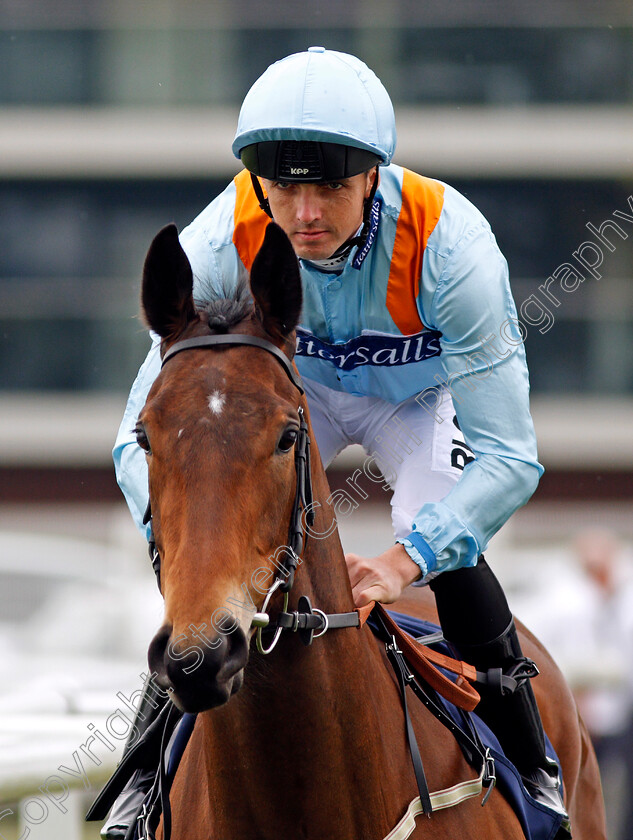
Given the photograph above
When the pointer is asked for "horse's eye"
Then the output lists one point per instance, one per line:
(287, 440)
(141, 438)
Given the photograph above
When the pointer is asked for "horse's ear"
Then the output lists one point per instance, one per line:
(167, 285)
(276, 283)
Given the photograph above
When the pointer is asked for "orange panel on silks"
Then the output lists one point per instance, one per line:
(250, 221)
(422, 202)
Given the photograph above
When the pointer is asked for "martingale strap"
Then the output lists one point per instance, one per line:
(474, 751)
(425, 661)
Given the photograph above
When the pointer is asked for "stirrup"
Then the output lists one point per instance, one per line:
(544, 786)
(507, 682)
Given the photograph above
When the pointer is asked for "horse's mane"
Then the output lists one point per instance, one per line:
(227, 305)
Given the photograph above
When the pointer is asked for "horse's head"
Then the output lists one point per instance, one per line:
(218, 428)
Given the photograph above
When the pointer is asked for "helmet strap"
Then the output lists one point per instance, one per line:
(361, 238)
(261, 198)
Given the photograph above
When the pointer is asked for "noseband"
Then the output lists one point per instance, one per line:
(308, 622)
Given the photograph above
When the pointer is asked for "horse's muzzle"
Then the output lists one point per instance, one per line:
(200, 671)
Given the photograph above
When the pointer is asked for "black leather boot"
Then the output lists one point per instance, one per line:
(122, 817)
(477, 621)
(509, 708)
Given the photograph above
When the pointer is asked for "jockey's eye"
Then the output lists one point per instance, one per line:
(287, 439)
(142, 439)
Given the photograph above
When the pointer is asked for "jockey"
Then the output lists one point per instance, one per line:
(409, 345)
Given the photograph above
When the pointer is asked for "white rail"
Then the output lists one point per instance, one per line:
(560, 141)
(79, 430)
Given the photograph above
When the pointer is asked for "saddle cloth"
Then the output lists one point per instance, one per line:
(537, 821)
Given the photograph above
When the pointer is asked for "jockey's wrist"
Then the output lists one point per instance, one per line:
(420, 552)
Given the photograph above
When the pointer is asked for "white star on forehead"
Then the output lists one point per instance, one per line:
(216, 402)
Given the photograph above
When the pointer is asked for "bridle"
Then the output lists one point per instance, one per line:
(310, 623)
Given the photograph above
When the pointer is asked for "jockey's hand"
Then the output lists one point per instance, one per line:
(381, 578)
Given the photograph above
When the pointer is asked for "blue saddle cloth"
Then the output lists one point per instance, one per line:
(538, 821)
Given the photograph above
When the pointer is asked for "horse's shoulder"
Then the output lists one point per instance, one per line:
(191, 806)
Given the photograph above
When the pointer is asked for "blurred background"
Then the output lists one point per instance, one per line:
(116, 118)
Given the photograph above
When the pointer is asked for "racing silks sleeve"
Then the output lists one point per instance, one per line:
(483, 358)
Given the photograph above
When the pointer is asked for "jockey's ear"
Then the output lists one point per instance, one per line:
(166, 296)
(276, 284)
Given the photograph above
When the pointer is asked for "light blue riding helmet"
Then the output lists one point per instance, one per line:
(318, 115)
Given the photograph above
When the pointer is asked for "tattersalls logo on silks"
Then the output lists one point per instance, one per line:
(374, 219)
(371, 349)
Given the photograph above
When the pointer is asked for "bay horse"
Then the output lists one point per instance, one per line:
(307, 742)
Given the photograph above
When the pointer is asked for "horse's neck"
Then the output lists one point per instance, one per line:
(323, 573)
(313, 714)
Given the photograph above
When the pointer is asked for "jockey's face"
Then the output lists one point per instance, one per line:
(319, 218)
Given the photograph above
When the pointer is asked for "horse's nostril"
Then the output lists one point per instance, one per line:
(156, 653)
(200, 672)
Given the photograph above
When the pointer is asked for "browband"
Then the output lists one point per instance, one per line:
(236, 339)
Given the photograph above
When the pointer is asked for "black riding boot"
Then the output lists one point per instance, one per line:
(128, 804)
(476, 619)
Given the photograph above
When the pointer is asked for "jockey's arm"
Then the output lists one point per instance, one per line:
(129, 459)
(486, 372)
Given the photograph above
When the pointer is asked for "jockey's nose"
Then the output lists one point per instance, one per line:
(308, 207)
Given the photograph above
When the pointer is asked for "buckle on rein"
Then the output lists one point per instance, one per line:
(489, 775)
